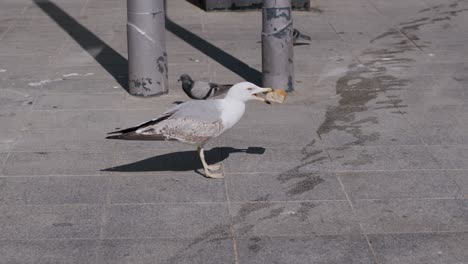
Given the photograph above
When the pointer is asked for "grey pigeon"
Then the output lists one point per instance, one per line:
(297, 35)
(200, 90)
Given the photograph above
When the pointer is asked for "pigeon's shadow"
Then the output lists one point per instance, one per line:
(183, 160)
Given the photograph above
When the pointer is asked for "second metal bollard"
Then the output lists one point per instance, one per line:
(147, 57)
(277, 45)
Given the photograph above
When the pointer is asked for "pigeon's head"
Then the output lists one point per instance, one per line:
(185, 79)
(246, 91)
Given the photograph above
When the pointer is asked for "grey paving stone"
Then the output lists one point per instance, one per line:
(57, 72)
(350, 23)
(82, 86)
(20, 45)
(88, 140)
(383, 158)
(267, 136)
(315, 249)
(451, 157)
(412, 215)
(50, 221)
(179, 159)
(443, 135)
(92, 140)
(277, 160)
(13, 119)
(401, 184)
(461, 178)
(276, 115)
(199, 221)
(284, 187)
(53, 190)
(3, 158)
(293, 218)
(10, 99)
(8, 139)
(57, 163)
(204, 250)
(48, 251)
(79, 101)
(169, 188)
(157, 105)
(370, 135)
(420, 248)
(105, 119)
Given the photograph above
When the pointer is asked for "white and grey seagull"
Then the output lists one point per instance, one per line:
(196, 122)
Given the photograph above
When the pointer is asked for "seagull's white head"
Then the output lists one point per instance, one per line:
(245, 91)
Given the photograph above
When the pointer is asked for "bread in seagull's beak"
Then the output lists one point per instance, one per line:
(262, 91)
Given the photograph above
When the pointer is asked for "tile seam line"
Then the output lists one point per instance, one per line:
(353, 210)
(228, 173)
(23, 10)
(162, 173)
(232, 229)
(233, 202)
(345, 171)
(213, 147)
(259, 235)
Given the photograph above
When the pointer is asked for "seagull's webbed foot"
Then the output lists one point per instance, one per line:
(208, 168)
(215, 167)
(218, 175)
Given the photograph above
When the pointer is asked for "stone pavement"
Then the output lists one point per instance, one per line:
(367, 162)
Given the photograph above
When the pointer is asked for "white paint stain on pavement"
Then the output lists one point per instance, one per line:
(70, 74)
(43, 82)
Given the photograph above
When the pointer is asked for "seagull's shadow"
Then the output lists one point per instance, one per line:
(182, 161)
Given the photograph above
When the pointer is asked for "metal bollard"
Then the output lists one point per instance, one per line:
(277, 45)
(147, 57)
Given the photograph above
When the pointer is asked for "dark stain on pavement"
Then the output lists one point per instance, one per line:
(305, 185)
(273, 213)
(304, 210)
(255, 244)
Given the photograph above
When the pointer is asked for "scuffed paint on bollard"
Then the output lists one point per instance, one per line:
(277, 45)
(147, 57)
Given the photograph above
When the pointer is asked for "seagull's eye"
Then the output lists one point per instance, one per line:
(250, 89)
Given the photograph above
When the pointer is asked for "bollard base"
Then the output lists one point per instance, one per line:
(213, 5)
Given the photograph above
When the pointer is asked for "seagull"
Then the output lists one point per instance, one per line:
(196, 122)
(200, 90)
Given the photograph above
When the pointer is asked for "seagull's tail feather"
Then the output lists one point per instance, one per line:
(135, 128)
(135, 136)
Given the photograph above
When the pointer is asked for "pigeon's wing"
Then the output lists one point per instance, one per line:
(218, 89)
(298, 35)
(204, 90)
(200, 89)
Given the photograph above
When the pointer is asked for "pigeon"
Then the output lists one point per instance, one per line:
(200, 90)
(297, 35)
(197, 121)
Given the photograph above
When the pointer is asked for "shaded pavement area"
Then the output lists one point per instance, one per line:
(366, 162)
